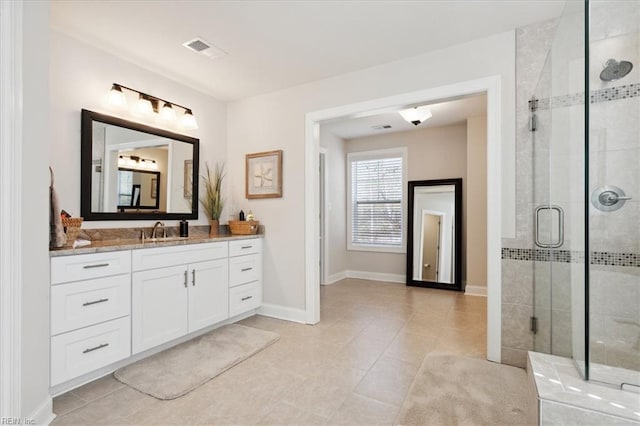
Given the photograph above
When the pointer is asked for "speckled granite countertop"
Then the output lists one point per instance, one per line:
(126, 244)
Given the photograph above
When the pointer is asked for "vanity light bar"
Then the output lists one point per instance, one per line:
(148, 104)
(137, 162)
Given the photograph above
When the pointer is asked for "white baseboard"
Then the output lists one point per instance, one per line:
(377, 276)
(475, 290)
(283, 312)
(43, 415)
(334, 278)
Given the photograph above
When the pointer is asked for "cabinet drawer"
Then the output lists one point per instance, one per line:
(244, 298)
(159, 257)
(80, 304)
(242, 247)
(78, 352)
(244, 269)
(86, 266)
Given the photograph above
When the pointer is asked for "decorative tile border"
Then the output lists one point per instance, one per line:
(569, 256)
(601, 95)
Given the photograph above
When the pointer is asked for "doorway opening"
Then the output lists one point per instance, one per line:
(490, 86)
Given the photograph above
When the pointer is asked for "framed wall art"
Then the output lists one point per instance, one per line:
(264, 175)
(188, 178)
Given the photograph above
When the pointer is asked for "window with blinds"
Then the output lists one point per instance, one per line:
(377, 184)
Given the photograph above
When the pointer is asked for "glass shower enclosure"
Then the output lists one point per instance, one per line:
(585, 126)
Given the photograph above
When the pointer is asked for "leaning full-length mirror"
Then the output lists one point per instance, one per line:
(132, 171)
(434, 233)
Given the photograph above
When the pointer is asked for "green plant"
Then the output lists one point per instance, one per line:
(213, 202)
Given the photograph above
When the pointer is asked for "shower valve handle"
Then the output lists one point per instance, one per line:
(610, 198)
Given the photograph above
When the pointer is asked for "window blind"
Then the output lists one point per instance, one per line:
(376, 201)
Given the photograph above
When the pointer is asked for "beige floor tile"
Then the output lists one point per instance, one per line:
(114, 408)
(98, 388)
(410, 347)
(360, 410)
(466, 320)
(354, 367)
(362, 352)
(388, 381)
(67, 402)
(287, 414)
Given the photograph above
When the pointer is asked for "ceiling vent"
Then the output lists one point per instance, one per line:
(203, 47)
(381, 126)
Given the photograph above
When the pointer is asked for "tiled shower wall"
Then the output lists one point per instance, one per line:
(614, 237)
(532, 44)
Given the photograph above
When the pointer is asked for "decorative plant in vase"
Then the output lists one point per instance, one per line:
(213, 202)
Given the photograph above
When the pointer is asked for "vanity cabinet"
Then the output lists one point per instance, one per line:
(245, 276)
(108, 306)
(189, 292)
(90, 312)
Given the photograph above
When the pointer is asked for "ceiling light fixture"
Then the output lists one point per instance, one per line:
(416, 115)
(148, 105)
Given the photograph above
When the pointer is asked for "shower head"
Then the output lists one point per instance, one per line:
(614, 70)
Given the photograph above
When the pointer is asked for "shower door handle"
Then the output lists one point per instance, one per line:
(560, 240)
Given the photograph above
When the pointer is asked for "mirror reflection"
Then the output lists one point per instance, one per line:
(136, 171)
(434, 233)
(139, 189)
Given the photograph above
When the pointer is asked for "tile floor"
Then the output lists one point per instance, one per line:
(354, 367)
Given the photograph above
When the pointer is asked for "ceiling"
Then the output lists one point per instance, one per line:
(444, 113)
(272, 45)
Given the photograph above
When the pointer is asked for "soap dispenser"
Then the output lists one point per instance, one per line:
(184, 228)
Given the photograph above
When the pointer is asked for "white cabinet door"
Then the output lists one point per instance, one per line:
(208, 293)
(159, 306)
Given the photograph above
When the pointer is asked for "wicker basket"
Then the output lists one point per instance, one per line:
(244, 227)
(72, 227)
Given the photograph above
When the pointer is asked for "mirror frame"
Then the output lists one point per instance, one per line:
(457, 284)
(88, 117)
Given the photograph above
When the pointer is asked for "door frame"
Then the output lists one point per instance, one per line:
(324, 231)
(492, 86)
(11, 112)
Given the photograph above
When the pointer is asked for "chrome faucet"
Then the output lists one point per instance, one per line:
(155, 229)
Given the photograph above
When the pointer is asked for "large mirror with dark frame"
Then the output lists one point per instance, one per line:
(434, 235)
(131, 171)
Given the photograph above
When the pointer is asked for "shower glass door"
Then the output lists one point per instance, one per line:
(557, 112)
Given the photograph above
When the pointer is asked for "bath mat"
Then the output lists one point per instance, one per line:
(187, 366)
(456, 390)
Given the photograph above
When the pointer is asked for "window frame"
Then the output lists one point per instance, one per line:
(373, 155)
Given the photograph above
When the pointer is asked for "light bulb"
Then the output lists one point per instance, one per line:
(188, 121)
(116, 97)
(167, 113)
(143, 106)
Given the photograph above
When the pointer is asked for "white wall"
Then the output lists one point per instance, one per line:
(277, 121)
(433, 153)
(336, 203)
(34, 213)
(476, 201)
(81, 77)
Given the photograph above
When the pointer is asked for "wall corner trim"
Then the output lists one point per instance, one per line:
(334, 278)
(43, 415)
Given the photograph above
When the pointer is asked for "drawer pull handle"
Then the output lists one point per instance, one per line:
(97, 265)
(185, 279)
(193, 279)
(104, 345)
(246, 269)
(95, 302)
(245, 247)
(246, 298)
